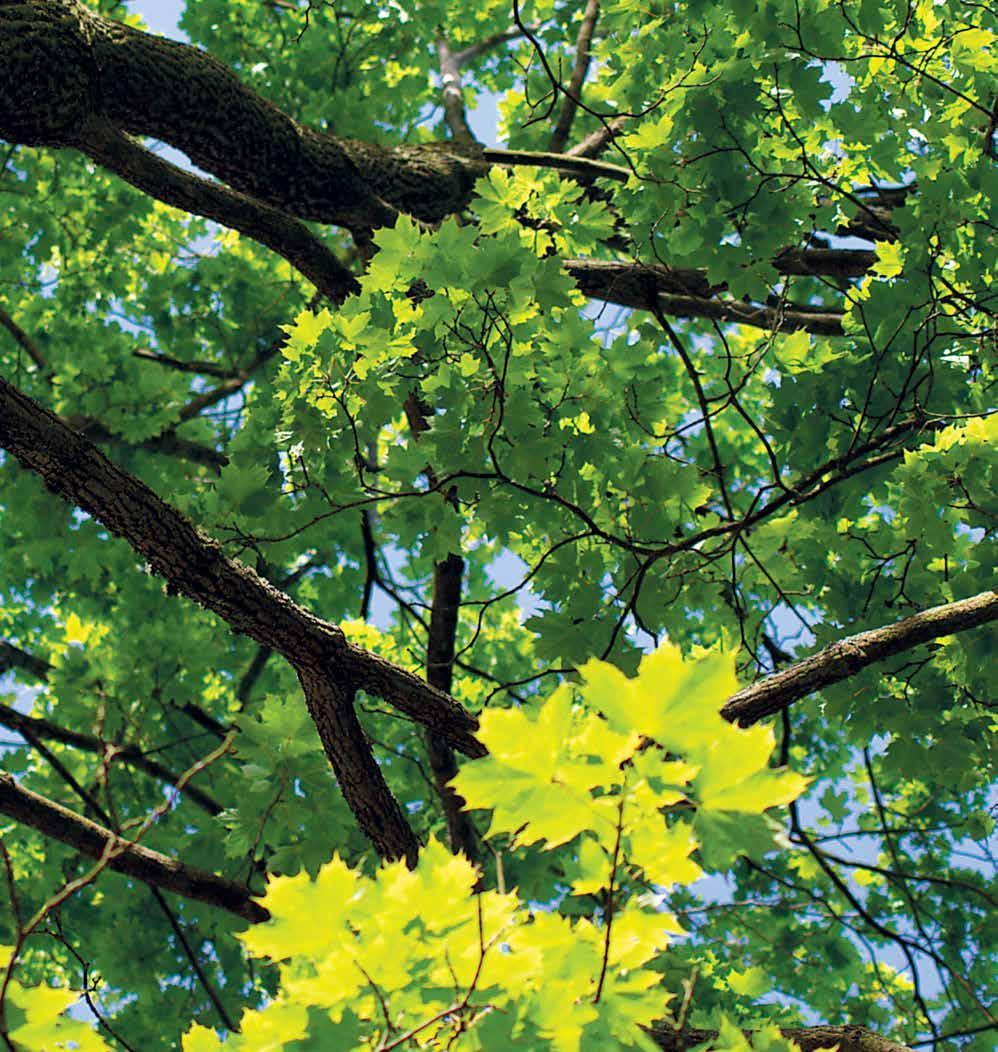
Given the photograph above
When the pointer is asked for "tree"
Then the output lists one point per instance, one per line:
(632, 483)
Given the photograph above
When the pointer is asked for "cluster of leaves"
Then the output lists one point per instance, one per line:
(35, 1016)
(635, 776)
(568, 440)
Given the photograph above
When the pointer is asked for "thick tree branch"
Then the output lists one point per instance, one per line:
(447, 575)
(134, 860)
(195, 566)
(688, 293)
(453, 96)
(114, 82)
(846, 657)
(276, 230)
(788, 318)
(357, 772)
(329, 668)
(66, 71)
(634, 284)
(825, 262)
(809, 1038)
(14, 657)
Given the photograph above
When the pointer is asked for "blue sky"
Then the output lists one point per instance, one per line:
(161, 16)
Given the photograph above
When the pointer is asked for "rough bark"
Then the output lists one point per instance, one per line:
(66, 73)
(69, 77)
(808, 1039)
(631, 284)
(133, 860)
(846, 657)
(269, 226)
(329, 668)
(447, 575)
(357, 772)
(195, 565)
(687, 293)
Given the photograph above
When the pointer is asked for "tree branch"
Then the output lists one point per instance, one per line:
(688, 293)
(134, 860)
(169, 443)
(168, 362)
(195, 566)
(357, 772)
(789, 318)
(453, 96)
(597, 142)
(115, 81)
(574, 165)
(559, 137)
(14, 657)
(440, 647)
(109, 74)
(809, 1039)
(279, 232)
(329, 668)
(848, 656)
(39, 728)
(24, 341)
(473, 51)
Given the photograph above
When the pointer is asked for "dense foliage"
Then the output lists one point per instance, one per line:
(691, 378)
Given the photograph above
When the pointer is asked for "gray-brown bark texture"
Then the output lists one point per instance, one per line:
(807, 1038)
(71, 78)
(848, 656)
(133, 860)
(329, 668)
(66, 73)
(194, 565)
(447, 578)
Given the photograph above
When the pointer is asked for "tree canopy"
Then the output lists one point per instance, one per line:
(484, 588)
